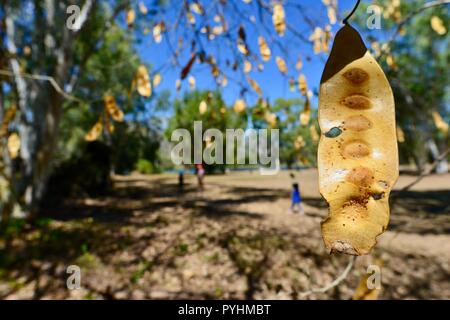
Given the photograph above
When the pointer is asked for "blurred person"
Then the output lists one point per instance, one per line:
(200, 175)
(181, 179)
(296, 199)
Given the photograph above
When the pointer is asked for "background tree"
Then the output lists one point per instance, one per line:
(413, 47)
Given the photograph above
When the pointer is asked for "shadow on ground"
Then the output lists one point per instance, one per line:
(151, 239)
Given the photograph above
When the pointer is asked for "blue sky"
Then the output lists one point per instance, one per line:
(273, 84)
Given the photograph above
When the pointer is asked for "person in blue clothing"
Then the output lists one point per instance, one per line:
(296, 205)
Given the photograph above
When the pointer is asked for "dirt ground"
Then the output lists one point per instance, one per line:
(234, 240)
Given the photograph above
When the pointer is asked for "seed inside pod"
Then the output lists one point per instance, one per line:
(361, 176)
(356, 75)
(333, 132)
(355, 208)
(356, 101)
(355, 150)
(357, 123)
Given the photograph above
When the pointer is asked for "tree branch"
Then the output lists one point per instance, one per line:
(411, 15)
(335, 282)
(42, 78)
(425, 173)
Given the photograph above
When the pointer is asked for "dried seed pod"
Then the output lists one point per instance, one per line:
(305, 115)
(247, 66)
(239, 106)
(13, 145)
(299, 63)
(438, 25)
(158, 29)
(255, 86)
(302, 85)
(157, 80)
(281, 64)
(144, 86)
(264, 49)
(8, 117)
(95, 131)
(279, 19)
(191, 81)
(131, 16)
(112, 108)
(357, 156)
(203, 107)
(142, 8)
(440, 123)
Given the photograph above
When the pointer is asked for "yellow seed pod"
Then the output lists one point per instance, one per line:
(357, 155)
(391, 62)
(400, 135)
(13, 145)
(247, 66)
(299, 143)
(255, 86)
(190, 17)
(242, 47)
(278, 19)
(299, 64)
(439, 122)
(131, 16)
(264, 49)
(438, 25)
(197, 8)
(218, 30)
(331, 12)
(223, 81)
(144, 86)
(157, 80)
(305, 116)
(8, 117)
(271, 119)
(191, 81)
(291, 84)
(203, 107)
(239, 106)
(281, 64)
(112, 108)
(95, 131)
(157, 32)
(302, 85)
(26, 50)
(142, 8)
(316, 38)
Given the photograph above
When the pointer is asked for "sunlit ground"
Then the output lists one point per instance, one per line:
(236, 239)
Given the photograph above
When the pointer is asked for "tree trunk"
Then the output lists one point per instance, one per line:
(442, 166)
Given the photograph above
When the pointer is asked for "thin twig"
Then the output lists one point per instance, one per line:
(43, 78)
(427, 5)
(425, 173)
(335, 282)
(345, 21)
